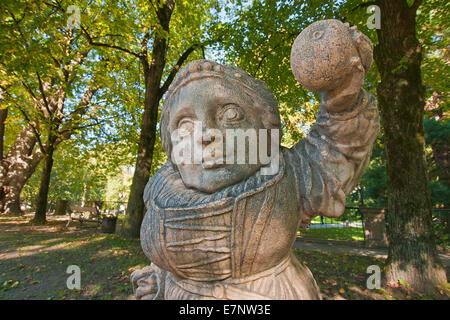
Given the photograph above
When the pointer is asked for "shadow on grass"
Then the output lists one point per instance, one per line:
(344, 276)
(34, 260)
(34, 266)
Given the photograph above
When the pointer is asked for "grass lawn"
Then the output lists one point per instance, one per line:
(349, 233)
(34, 260)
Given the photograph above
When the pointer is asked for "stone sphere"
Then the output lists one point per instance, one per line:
(321, 55)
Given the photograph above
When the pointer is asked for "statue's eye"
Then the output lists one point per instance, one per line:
(185, 127)
(230, 114)
(317, 35)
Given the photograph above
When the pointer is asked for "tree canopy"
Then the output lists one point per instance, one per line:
(83, 82)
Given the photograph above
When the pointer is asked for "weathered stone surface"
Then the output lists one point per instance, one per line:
(321, 54)
(225, 231)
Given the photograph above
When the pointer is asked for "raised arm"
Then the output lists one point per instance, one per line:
(329, 162)
(332, 158)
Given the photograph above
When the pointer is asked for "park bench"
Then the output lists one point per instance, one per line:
(84, 214)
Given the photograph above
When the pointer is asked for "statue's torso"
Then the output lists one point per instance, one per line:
(231, 237)
(196, 242)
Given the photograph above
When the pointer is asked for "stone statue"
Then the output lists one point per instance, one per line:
(216, 230)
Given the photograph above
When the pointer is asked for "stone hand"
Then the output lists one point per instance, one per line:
(144, 283)
(364, 47)
(344, 97)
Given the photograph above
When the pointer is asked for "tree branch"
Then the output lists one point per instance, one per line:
(69, 131)
(91, 39)
(53, 6)
(291, 35)
(153, 5)
(30, 91)
(203, 52)
(106, 45)
(178, 65)
(35, 131)
(41, 88)
(68, 126)
(416, 5)
(364, 5)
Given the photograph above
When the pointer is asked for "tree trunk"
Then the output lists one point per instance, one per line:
(23, 158)
(83, 197)
(14, 178)
(153, 74)
(441, 153)
(17, 167)
(41, 206)
(61, 207)
(3, 116)
(412, 251)
(11, 198)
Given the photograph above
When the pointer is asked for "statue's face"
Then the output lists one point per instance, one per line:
(198, 107)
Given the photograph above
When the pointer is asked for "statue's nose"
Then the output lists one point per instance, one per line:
(207, 139)
(212, 136)
(209, 131)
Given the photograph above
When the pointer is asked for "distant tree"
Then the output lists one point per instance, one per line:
(437, 137)
(373, 181)
(157, 35)
(42, 63)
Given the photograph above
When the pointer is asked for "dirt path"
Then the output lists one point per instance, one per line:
(350, 247)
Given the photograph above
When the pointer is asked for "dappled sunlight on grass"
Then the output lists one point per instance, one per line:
(347, 233)
(344, 276)
(37, 263)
